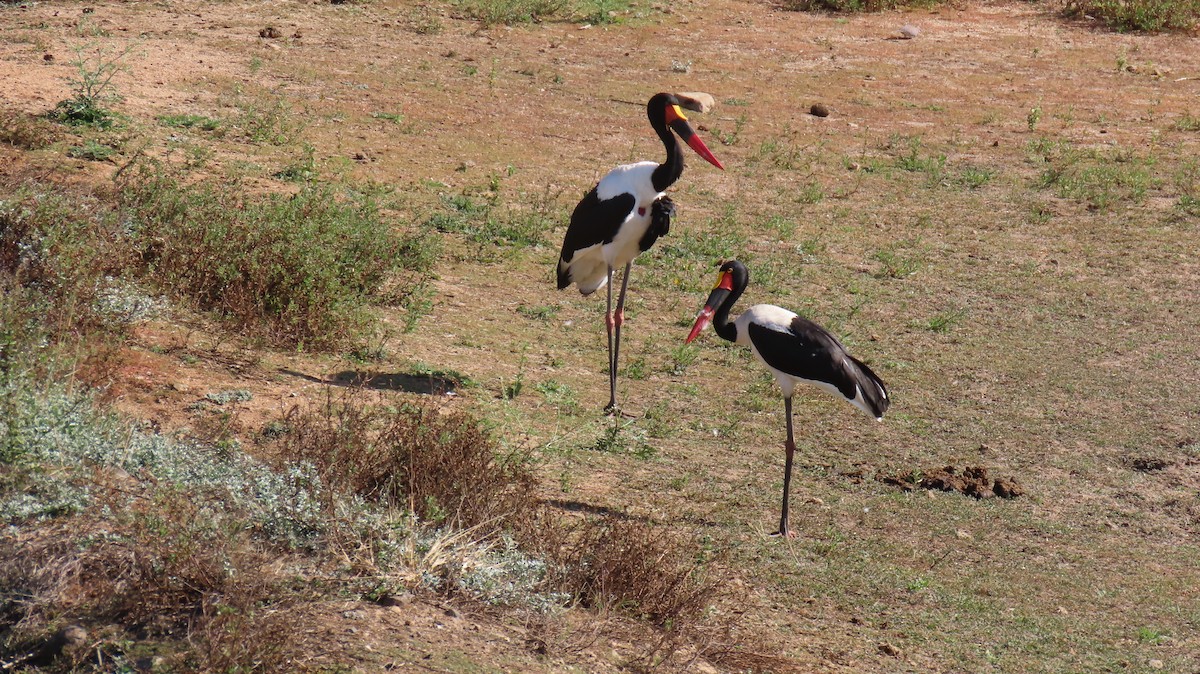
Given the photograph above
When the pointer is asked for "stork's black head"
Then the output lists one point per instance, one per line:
(665, 110)
(732, 279)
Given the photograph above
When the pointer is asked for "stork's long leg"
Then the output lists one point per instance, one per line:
(618, 319)
(612, 359)
(790, 447)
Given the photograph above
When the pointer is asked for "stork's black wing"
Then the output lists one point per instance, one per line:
(594, 221)
(804, 350)
(808, 351)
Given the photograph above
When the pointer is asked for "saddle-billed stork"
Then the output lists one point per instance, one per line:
(796, 351)
(624, 214)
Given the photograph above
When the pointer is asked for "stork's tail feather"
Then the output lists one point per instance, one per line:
(873, 392)
(564, 274)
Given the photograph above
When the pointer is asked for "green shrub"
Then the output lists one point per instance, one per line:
(298, 270)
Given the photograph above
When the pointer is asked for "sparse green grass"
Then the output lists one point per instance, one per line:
(479, 216)
(1188, 122)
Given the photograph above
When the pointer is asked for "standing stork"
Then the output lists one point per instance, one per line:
(796, 351)
(624, 214)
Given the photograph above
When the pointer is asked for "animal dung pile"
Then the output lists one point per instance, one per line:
(973, 481)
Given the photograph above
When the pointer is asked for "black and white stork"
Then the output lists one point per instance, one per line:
(796, 351)
(624, 214)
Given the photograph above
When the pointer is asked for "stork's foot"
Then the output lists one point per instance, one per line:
(612, 410)
(782, 534)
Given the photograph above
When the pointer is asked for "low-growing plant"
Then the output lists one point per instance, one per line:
(1188, 123)
(303, 169)
(640, 570)
(900, 260)
(268, 119)
(1100, 178)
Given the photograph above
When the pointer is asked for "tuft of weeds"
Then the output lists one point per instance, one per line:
(303, 169)
(56, 250)
(640, 570)
(476, 214)
(944, 321)
(915, 161)
(1188, 122)
(558, 394)
(442, 466)
(267, 119)
(620, 438)
(683, 356)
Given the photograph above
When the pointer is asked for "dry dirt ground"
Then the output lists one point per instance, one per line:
(1039, 335)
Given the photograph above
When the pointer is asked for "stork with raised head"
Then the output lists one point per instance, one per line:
(624, 214)
(796, 351)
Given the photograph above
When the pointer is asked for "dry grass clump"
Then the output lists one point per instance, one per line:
(440, 465)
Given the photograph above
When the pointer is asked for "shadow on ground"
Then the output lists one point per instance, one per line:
(427, 384)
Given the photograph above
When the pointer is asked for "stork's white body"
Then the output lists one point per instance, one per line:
(589, 266)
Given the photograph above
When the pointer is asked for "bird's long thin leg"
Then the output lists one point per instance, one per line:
(618, 320)
(790, 446)
(612, 361)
